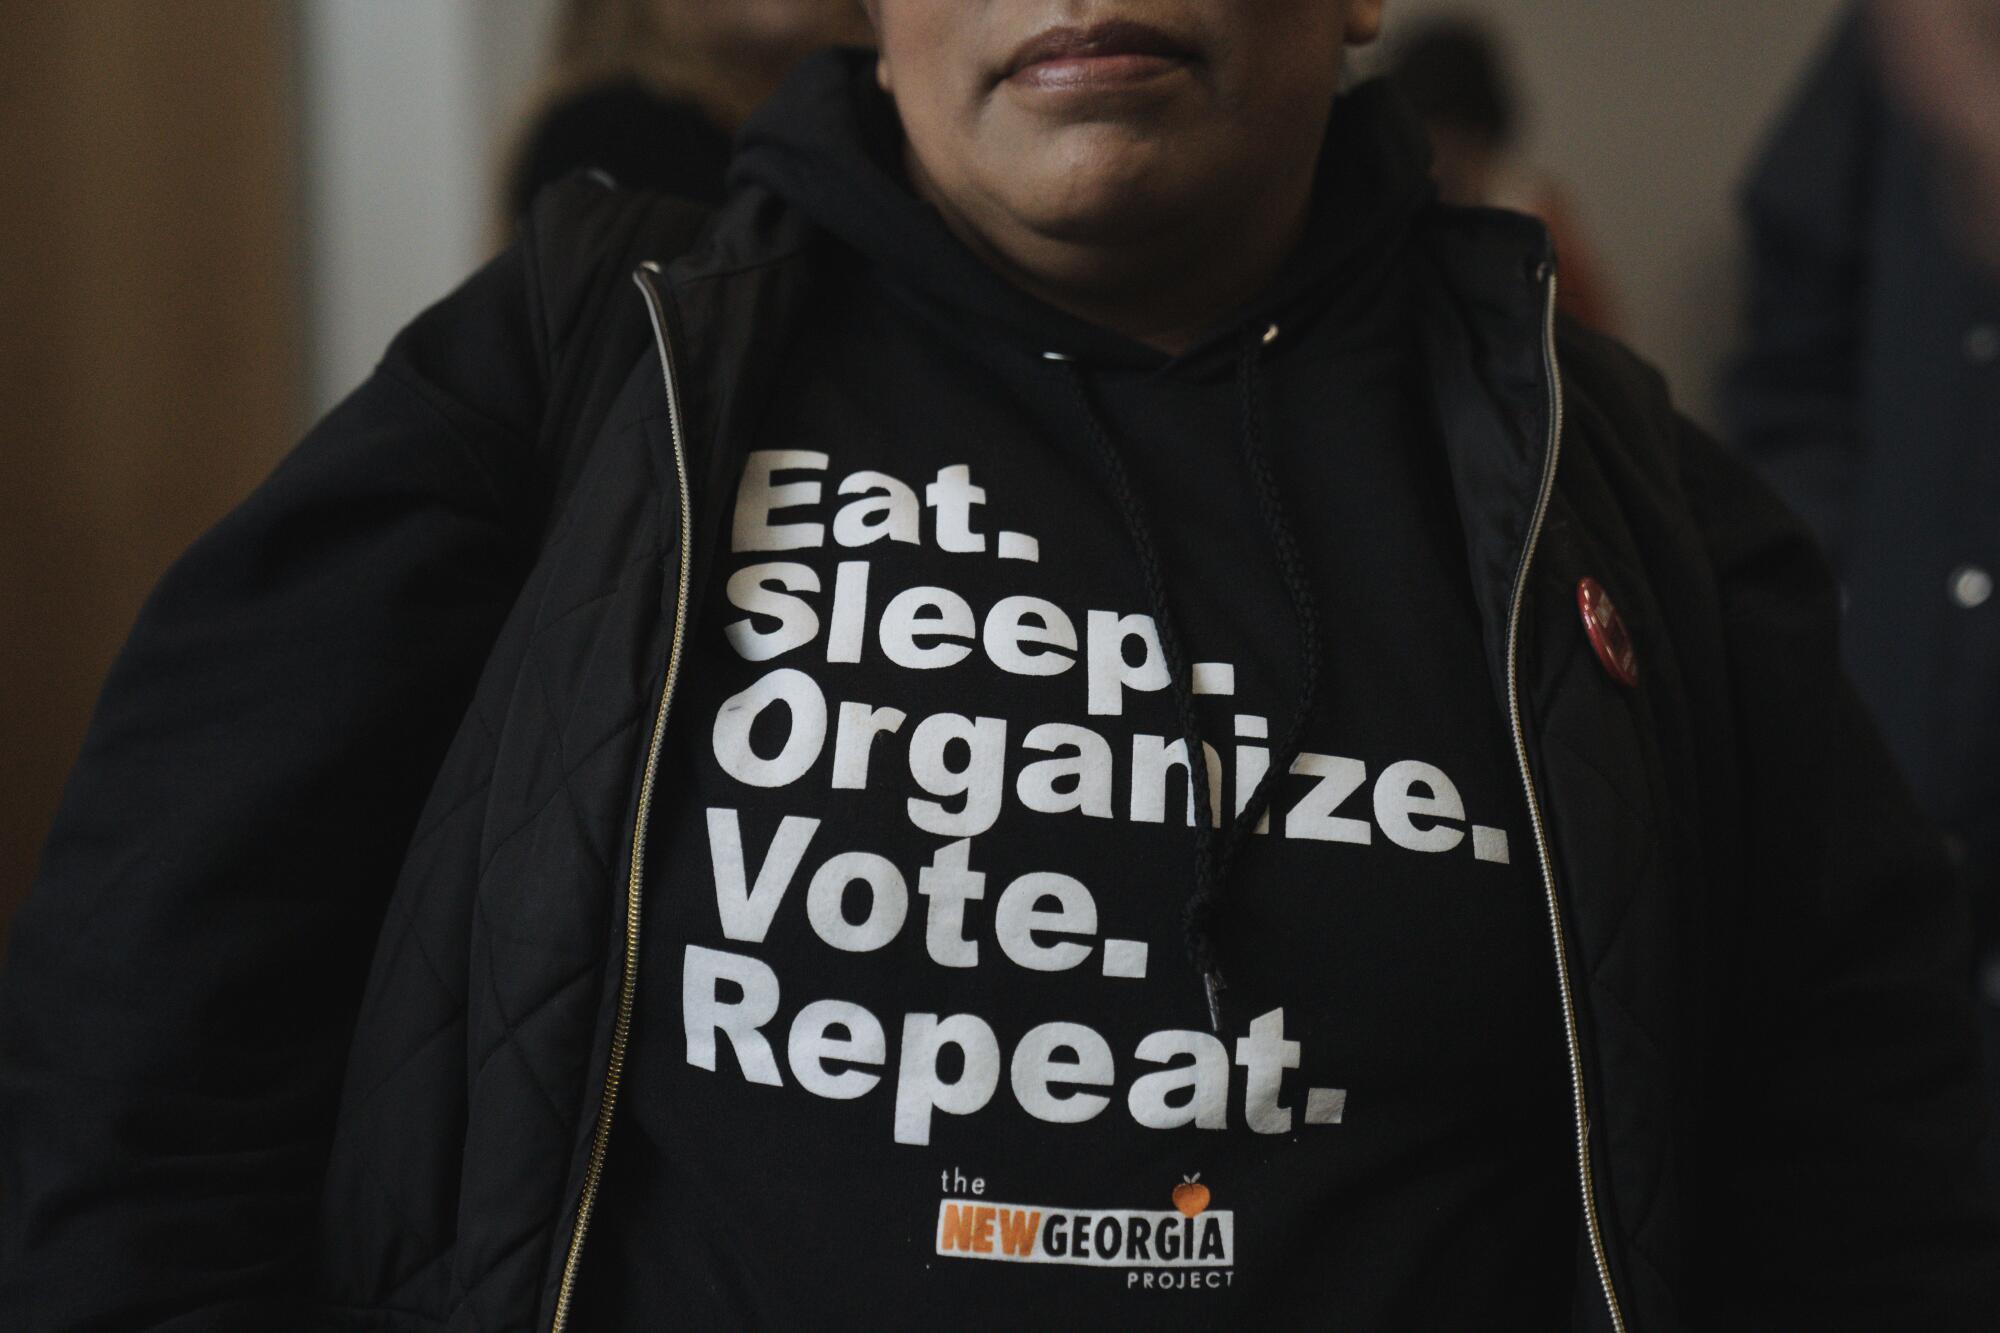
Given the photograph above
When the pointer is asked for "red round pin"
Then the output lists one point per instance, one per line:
(1607, 632)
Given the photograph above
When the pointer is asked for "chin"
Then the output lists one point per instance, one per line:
(1099, 196)
(1114, 221)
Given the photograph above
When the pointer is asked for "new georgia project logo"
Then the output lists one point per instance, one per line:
(1187, 1236)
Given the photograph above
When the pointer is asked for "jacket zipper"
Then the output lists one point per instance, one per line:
(1553, 370)
(628, 984)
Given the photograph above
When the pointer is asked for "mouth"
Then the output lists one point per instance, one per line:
(1114, 53)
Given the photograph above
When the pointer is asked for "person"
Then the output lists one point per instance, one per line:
(1078, 709)
(1868, 394)
(1453, 73)
(1944, 64)
(651, 91)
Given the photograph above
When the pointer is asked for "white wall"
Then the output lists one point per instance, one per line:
(409, 106)
(1650, 113)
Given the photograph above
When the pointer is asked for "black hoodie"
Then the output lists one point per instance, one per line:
(976, 1023)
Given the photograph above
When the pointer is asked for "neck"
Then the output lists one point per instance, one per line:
(1162, 285)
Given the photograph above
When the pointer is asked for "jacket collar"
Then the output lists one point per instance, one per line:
(1483, 322)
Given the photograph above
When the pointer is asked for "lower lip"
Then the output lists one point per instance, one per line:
(1077, 73)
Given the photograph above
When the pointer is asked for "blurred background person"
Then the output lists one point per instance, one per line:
(1869, 394)
(652, 91)
(1453, 72)
(1944, 56)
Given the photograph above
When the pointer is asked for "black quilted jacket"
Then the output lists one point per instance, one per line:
(314, 1016)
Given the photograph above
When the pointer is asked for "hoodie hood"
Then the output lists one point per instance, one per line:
(830, 144)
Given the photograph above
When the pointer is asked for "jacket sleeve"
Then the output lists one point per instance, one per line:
(1792, 398)
(182, 982)
(1843, 1186)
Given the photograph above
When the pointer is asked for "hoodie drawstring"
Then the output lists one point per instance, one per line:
(1215, 859)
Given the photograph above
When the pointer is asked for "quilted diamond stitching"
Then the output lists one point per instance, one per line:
(362, 1102)
(399, 1287)
(509, 1034)
(455, 1013)
(534, 1011)
(562, 785)
(1652, 859)
(464, 1293)
(422, 837)
(563, 788)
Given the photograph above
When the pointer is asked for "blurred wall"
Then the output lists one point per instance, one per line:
(1650, 114)
(150, 363)
(410, 107)
(220, 211)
